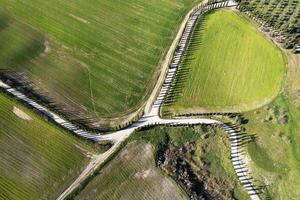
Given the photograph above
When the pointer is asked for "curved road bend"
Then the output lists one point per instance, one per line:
(151, 117)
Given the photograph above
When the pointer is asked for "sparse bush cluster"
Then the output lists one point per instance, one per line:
(197, 179)
(283, 136)
(276, 115)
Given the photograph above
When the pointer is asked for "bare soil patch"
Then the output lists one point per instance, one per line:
(21, 114)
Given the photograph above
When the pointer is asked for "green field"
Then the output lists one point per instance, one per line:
(134, 174)
(38, 160)
(100, 57)
(229, 66)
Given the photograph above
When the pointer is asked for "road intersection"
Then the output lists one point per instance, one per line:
(152, 113)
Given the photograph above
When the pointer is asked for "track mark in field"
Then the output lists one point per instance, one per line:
(85, 66)
(91, 89)
(79, 19)
(91, 92)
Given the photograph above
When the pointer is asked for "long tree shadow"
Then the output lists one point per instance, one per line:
(242, 140)
(184, 70)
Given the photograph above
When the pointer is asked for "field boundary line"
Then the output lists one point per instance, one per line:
(168, 58)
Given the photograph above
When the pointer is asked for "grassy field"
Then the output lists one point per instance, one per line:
(19, 42)
(229, 66)
(293, 81)
(38, 160)
(100, 57)
(275, 156)
(133, 174)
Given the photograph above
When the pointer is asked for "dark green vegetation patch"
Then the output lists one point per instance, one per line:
(283, 15)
